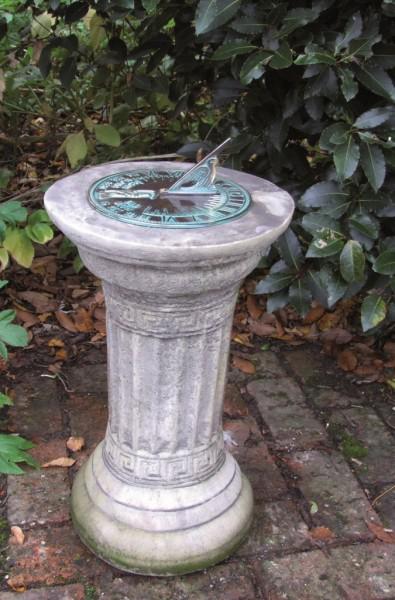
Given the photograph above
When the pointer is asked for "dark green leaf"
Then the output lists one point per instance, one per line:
(349, 86)
(346, 158)
(352, 262)
(251, 68)
(247, 25)
(321, 247)
(338, 130)
(365, 224)
(68, 72)
(276, 301)
(316, 223)
(323, 195)
(232, 49)
(385, 263)
(315, 58)
(274, 282)
(3, 350)
(76, 11)
(377, 80)
(373, 165)
(297, 17)
(373, 311)
(289, 248)
(352, 31)
(282, 58)
(300, 297)
(374, 117)
(211, 14)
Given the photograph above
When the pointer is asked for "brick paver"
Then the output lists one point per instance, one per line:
(364, 572)
(310, 539)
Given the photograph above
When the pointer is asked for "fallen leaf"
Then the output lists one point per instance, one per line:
(55, 343)
(384, 535)
(262, 329)
(347, 360)
(63, 461)
(314, 314)
(41, 302)
(83, 320)
(329, 321)
(234, 404)
(253, 308)
(17, 583)
(28, 318)
(100, 326)
(336, 335)
(61, 354)
(243, 339)
(389, 349)
(244, 365)
(17, 536)
(321, 533)
(65, 321)
(75, 444)
(80, 293)
(100, 313)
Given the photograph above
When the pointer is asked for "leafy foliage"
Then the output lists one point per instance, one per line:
(305, 89)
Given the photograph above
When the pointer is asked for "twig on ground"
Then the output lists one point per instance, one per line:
(390, 489)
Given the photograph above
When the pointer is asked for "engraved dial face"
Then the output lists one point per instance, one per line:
(140, 197)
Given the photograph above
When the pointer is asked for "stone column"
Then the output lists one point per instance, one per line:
(160, 495)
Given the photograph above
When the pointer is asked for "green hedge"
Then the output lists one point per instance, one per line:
(305, 89)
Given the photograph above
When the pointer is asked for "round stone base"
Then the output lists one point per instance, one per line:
(157, 530)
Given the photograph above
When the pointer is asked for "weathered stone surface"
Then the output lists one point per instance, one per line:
(52, 556)
(366, 426)
(277, 527)
(229, 581)
(36, 413)
(329, 398)
(67, 592)
(89, 381)
(285, 412)
(304, 363)
(262, 472)
(88, 418)
(268, 364)
(38, 498)
(326, 480)
(136, 588)
(364, 572)
(386, 507)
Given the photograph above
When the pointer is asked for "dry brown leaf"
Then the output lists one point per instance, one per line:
(56, 343)
(244, 365)
(83, 320)
(75, 444)
(28, 318)
(321, 533)
(17, 583)
(387, 536)
(41, 302)
(243, 339)
(100, 326)
(17, 536)
(80, 293)
(65, 321)
(262, 329)
(253, 308)
(63, 461)
(329, 321)
(55, 367)
(100, 313)
(347, 360)
(338, 335)
(314, 314)
(61, 354)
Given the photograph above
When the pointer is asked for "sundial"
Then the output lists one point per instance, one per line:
(171, 198)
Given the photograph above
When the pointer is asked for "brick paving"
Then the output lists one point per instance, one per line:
(315, 536)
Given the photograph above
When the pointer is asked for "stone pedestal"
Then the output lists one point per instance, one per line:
(160, 495)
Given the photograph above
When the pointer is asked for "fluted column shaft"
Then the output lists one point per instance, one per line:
(167, 368)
